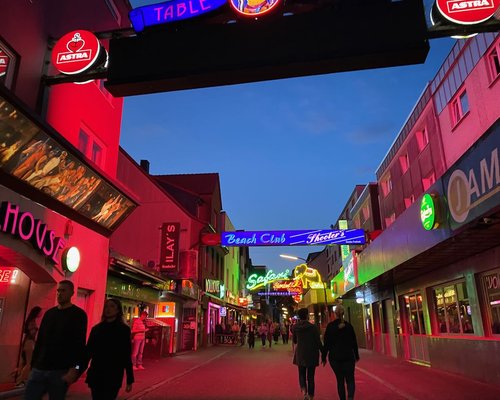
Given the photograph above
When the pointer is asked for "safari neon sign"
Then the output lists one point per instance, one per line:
(256, 281)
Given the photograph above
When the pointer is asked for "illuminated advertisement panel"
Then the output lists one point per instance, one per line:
(31, 155)
(293, 238)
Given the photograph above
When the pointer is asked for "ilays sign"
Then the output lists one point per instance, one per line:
(77, 52)
(169, 251)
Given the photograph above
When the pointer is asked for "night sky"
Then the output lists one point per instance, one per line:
(288, 152)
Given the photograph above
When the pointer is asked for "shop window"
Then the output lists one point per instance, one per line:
(459, 107)
(414, 314)
(491, 286)
(453, 309)
(429, 181)
(494, 63)
(422, 139)
(404, 162)
(8, 65)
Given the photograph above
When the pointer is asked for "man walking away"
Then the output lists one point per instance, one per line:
(342, 348)
(139, 338)
(59, 355)
(307, 352)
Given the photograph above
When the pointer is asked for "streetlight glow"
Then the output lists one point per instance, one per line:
(289, 257)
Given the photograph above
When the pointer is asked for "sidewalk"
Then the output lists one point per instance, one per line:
(157, 371)
(416, 382)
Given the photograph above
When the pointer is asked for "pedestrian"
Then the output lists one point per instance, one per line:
(235, 331)
(110, 351)
(307, 353)
(30, 330)
(284, 332)
(138, 339)
(243, 333)
(277, 332)
(341, 348)
(59, 354)
(263, 333)
(292, 327)
(270, 333)
(251, 337)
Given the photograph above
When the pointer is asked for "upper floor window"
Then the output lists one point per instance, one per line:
(494, 63)
(8, 62)
(422, 139)
(386, 186)
(459, 107)
(390, 219)
(429, 181)
(404, 162)
(366, 212)
(409, 201)
(91, 147)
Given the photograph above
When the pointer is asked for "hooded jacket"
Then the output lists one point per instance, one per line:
(309, 346)
(340, 342)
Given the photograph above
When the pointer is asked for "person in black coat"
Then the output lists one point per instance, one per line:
(110, 350)
(307, 352)
(341, 348)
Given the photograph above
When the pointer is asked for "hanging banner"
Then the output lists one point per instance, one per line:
(169, 251)
(293, 238)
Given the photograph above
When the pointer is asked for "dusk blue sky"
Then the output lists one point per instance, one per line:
(289, 152)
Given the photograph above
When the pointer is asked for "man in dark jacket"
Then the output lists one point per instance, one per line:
(307, 352)
(341, 348)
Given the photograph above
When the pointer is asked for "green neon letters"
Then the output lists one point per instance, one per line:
(428, 212)
(255, 281)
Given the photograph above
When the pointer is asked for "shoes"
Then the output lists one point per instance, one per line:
(140, 367)
(135, 368)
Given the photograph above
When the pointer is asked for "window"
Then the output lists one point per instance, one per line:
(491, 287)
(90, 147)
(429, 181)
(404, 162)
(494, 63)
(453, 309)
(389, 220)
(366, 212)
(414, 314)
(422, 139)
(8, 63)
(386, 186)
(459, 107)
(409, 201)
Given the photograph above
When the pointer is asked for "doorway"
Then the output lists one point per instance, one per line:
(415, 342)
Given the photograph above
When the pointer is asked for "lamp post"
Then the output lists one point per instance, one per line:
(295, 258)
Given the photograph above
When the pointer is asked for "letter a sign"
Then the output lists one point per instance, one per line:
(76, 52)
(467, 12)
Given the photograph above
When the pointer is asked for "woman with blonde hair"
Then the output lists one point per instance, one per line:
(341, 348)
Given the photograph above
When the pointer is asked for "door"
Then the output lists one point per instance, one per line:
(414, 334)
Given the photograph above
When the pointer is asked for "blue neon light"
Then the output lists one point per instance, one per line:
(293, 238)
(170, 11)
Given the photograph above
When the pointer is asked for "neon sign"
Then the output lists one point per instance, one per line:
(24, 226)
(76, 52)
(255, 281)
(293, 238)
(171, 11)
(253, 8)
(467, 12)
(428, 212)
(294, 286)
(309, 277)
(8, 274)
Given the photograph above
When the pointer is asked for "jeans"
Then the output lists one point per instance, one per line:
(42, 382)
(100, 393)
(137, 349)
(263, 337)
(306, 379)
(344, 372)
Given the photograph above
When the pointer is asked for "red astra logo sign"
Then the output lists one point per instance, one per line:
(467, 12)
(4, 63)
(75, 52)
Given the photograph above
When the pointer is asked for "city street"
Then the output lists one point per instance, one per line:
(261, 374)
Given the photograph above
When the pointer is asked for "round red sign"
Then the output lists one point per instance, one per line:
(467, 12)
(254, 8)
(75, 52)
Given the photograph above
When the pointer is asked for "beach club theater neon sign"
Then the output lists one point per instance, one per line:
(293, 238)
(178, 10)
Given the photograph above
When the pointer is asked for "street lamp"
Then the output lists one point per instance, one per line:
(296, 258)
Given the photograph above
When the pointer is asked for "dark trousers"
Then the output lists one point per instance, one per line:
(306, 379)
(263, 337)
(285, 338)
(104, 393)
(344, 372)
(251, 342)
(46, 382)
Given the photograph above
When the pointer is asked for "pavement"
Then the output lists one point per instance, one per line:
(268, 373)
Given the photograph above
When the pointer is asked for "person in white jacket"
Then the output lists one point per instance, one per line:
(138, 340)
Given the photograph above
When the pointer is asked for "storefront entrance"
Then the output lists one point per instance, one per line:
(414, 336)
